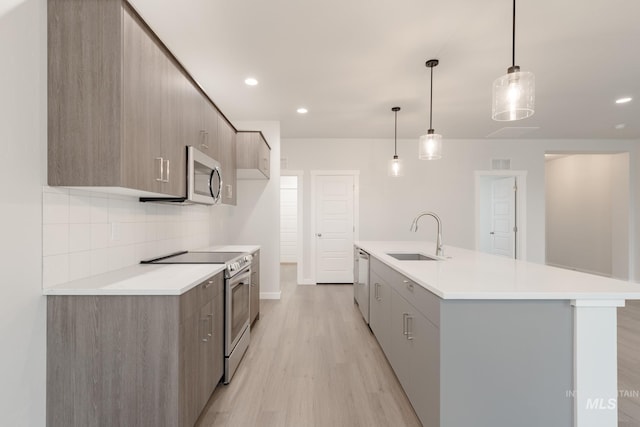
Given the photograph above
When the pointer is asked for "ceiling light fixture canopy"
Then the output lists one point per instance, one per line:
(250, 81)
(302, 110)
(395, 164)
(430, 145)
(513, 93)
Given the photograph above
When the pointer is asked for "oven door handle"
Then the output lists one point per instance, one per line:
(239, 280)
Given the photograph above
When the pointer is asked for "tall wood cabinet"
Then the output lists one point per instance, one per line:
(121, 108)
(134, 360)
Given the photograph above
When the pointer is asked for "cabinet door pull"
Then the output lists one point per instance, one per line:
(161, 169)
(404, 324)
(409, 285)
(409, 331)
(167, 179)
(204, 328)
(377, 292)
(210, 317)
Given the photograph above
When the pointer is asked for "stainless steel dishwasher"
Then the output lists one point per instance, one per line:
(361, 282)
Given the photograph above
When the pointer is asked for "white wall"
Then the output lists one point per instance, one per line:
(23, 134)
(578, 213)
(587, 213)
(256, 218)
(446, 186)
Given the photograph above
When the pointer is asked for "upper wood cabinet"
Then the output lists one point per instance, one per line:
(122, 110)
(254, 156)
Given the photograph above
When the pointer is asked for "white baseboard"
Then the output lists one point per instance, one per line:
(270, 295)
(306, 282)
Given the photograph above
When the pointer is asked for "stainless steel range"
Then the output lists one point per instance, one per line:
(237, 275)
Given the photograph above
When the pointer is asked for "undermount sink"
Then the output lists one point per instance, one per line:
(412, 257)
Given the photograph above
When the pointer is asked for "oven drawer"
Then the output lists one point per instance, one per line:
(197, 297)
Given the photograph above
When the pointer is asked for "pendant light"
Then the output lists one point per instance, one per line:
(430, 145)
(513, 93)
(395, 164)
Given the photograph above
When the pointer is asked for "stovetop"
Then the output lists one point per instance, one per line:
(234, 262)
(195, 258)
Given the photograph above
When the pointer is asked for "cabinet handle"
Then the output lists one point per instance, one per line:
(404, 324)
(208, 284)
(409, 285)
(206, 319)
(409, 331)
(376, 292)
(161, 169)
(167, 180)
(210, 317)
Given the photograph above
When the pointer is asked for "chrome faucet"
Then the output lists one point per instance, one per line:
(414, 227)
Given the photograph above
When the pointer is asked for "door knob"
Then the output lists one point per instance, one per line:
(491, 232)
(319, 234)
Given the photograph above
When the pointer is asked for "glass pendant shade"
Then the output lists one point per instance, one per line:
(395, 167)
(514, 96)
(430, 146)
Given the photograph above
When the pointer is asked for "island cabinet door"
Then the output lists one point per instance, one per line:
(401, 310)
(423, 389)
(380, 311)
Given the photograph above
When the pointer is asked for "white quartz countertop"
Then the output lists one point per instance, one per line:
(466, 274)
(148, 279)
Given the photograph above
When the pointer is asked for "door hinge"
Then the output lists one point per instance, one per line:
(515, 229)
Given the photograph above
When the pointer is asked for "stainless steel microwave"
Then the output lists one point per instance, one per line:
(204, 178)
(204, 181)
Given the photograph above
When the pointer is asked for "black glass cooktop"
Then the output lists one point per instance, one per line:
(195, 258)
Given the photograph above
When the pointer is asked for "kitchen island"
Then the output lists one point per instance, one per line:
(480, 340)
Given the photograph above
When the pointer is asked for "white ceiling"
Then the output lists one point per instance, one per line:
(350, 61)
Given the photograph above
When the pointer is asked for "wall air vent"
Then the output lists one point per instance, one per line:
(500, 164)
(283, 163)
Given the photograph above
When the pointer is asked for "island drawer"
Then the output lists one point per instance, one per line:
(421, 299)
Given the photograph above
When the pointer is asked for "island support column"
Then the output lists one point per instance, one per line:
(595, 363)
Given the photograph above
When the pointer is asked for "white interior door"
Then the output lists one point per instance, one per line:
(503, 204)
(288, 218)
(334, 228)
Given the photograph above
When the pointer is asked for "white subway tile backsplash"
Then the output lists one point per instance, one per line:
(55, 270)
(99, 261)
(55, 208)
(79, 209)
(79, 265)
(87, 233)
(99, 210)
(79, 237)
(55, 239)
(100, 234)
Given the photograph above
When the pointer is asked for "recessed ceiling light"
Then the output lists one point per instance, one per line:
(623, 100)
(302, 110)
(250, 81)
(620, 126)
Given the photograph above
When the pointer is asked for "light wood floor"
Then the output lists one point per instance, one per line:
(312, 361)
(629, 364)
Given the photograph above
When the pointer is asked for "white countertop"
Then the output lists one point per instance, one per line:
(148, 279)
(476, 275)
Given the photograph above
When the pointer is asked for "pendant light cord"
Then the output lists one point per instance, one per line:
(395, 137)
(513, 39)
(431, 102)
